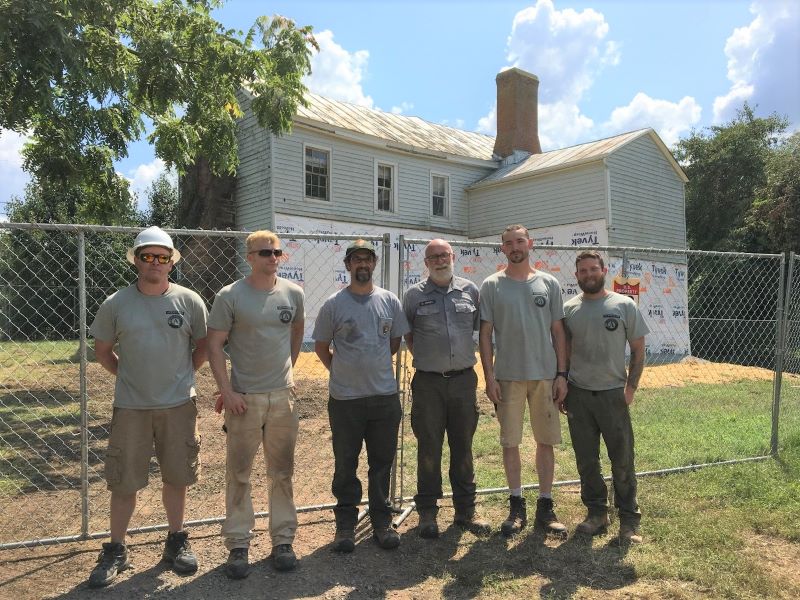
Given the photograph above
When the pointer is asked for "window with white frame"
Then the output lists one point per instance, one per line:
(317, 163)
(440, 195)
(385, 187)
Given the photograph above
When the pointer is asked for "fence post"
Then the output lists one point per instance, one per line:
(780, 343)
(83, 393)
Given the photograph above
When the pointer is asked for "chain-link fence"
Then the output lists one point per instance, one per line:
(710, 387)
(714, 365)
(56, 401)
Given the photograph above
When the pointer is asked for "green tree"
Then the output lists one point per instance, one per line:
(726, 168)
(81, 76)
(162, 203)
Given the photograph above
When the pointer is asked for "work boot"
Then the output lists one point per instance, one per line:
(236, 567)
(593, 524)
(546, 518)
(113, 560)
(428, 528)
(467, 519)
(345, 540)
(283, 557)
(178, 553)
(387, 537)
(517, 516)
(629, 534)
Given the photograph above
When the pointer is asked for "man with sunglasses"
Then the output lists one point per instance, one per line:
(357, 331)
(261, 317)
(160, 330)
(443, 314)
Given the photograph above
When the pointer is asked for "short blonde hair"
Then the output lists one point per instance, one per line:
(264, 235)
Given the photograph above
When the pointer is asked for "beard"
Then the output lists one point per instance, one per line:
(592, 286)
(517, 257)
(442, 276)
(363, 275)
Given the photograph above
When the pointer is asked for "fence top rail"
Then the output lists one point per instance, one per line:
(193, 232)
(633, 249)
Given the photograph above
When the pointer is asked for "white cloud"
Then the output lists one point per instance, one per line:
(562, 124)
(764, 62)
(404, 107)
(565, 48)
(11, 174)
(337, 73)
(142, 176)
(669, 119)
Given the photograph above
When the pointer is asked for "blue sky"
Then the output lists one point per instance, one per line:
(604, 67)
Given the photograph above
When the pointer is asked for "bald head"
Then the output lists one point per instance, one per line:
(439, 259)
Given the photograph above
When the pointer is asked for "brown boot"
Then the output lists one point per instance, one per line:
(428, 528)
(467, 519)
(546, 518)
(517, 516)
(629, 534)
(345, 540)
(594, 524)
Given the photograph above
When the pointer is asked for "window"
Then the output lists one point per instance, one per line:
(385, 187)
(440, 195)
(317, 173)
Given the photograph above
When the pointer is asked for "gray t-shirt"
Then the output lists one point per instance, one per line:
(598, 331)
(155, 336)
(360, 328)
(442, 321)
(521, 313)
(259, 326)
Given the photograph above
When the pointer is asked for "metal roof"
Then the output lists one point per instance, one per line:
(408, 132)
(576, 155)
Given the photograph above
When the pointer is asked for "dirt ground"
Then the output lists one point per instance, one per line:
(455, 566)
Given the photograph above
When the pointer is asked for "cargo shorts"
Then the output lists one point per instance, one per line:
(134, 432)
(544, 416)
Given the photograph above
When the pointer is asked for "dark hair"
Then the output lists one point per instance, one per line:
(514, 228)
(590, 254)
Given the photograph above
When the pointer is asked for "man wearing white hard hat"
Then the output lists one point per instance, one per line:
(159, 329)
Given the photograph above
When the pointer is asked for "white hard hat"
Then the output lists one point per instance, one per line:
(153, 236)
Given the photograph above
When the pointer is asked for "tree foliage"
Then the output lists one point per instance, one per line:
(82, 75)
(162, 203)
(728, 169)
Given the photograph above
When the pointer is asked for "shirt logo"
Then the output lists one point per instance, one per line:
(539, 300)
(285, 316)
(427, 302)
(611, 324)
(175, 321)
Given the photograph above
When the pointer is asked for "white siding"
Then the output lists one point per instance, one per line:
(557, 198)
(647, 198)
(352, 185)
(253, 177)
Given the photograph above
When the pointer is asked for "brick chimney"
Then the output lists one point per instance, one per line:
(517, 113)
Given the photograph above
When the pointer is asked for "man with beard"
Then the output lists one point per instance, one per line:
(357, 331)
(159, 330)
(524, 310)
(443, 313)
(261, 317)
(599, 323)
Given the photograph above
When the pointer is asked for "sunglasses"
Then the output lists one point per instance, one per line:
(265, 252)
(148, 257)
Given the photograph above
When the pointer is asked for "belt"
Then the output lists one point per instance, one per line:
(446, 374)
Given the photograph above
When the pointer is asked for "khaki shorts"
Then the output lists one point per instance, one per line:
(544, 415)
(130, 447)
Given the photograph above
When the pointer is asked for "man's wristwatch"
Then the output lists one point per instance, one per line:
(564, 374)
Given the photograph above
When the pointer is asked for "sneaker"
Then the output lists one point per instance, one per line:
(386, 537)
(236, 566)
(467, 519)
(629, 534)
(178, 553)
(596, 524)
(113, 560)
(517, 516)
(345, 540)
(546, 518)
(428, 528)
(283, 557)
